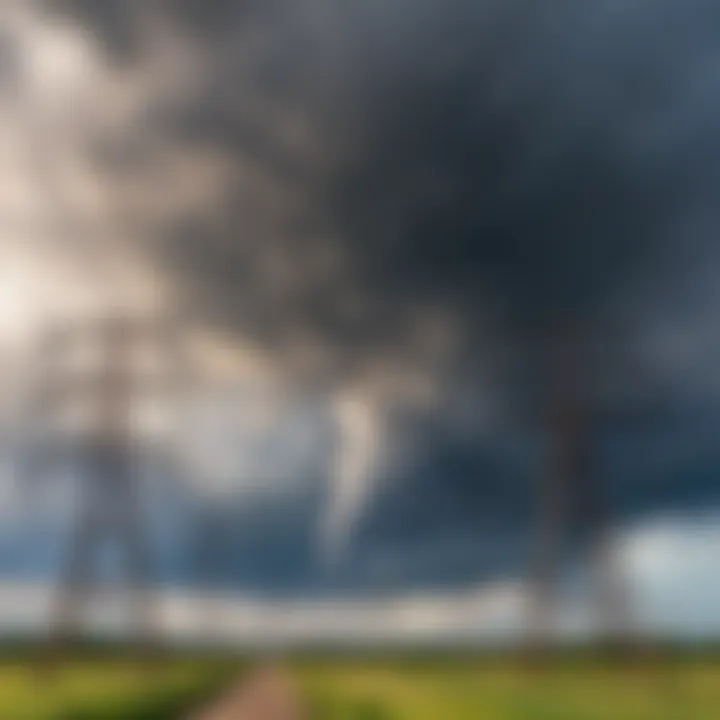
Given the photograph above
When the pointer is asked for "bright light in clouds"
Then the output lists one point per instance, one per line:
(16, 298)
(59, 61)
(60, 253)
(49, 76)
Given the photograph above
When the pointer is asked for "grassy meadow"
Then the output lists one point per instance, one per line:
(102, 688)
(373, 688)
(686, 689)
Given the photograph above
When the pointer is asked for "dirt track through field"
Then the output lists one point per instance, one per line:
(267, 694)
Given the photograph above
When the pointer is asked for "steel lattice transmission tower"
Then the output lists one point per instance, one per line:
(574, 498)
(109, 383)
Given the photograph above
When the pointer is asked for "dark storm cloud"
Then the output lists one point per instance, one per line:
(506, 164)
(487, 158)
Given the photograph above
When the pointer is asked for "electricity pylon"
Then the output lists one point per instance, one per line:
(105, 447)
(574, 499)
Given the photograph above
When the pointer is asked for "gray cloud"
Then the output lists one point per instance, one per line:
(354, 184)
(500, 159)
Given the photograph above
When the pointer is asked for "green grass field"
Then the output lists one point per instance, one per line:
(497, 690)
(107, 689)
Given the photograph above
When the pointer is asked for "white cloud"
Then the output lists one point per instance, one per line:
(671, 562)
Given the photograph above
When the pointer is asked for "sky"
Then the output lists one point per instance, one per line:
(371, 219)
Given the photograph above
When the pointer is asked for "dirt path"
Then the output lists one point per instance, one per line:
(267, 694)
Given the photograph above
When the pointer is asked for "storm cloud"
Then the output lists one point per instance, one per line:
(400, 199)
